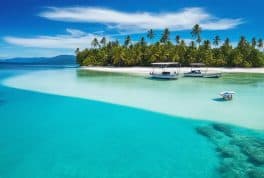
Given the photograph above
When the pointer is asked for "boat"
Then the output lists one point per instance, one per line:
(195, 72)
(165, 73)
(227, 95)
(200, 73)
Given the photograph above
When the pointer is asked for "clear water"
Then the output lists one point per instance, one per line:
(48, 136)
(187, 97)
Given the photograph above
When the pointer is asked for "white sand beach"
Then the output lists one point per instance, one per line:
(146, 70)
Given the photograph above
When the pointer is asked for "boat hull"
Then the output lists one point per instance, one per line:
(213, 75)
(165, 77)
(205, 75)
(192, 75)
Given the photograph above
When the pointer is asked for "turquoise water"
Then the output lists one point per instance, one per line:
(187, 97)
(48, 136)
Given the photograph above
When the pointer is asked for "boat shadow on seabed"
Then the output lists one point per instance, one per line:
(219, 99)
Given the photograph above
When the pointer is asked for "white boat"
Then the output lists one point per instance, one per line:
(195, 72)
(227, 95)
(200, 73)
(165, 73)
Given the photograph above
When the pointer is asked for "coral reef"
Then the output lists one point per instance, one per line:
(241, 154)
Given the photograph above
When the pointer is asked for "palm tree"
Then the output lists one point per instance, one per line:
(260, 43)
(253, 42)
(177, 39)
(192, 45)
(227, 42)
(199, 40)
(196, 33)
(77, 51)
(103, 41)
(226, 50)
(95, 43)
(127, 41)
(118, 56)
(242, 42)
(165, 36)
(150, 34)
(207, 44)
(182, 43)
(216, 40)
(116, 43)
(142, 41)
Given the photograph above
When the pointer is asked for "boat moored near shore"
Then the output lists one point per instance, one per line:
(195, 72)
(165, 73)
(201, 73)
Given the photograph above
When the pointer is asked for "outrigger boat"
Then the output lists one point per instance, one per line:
(165, 73)
(227, 95)
(199, 73)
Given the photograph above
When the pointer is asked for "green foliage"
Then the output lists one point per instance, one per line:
(165, 36)
(150, 34)
(216, 40)
(103, 53)
(196, 32)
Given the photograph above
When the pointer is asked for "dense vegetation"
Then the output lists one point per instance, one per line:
(245, 54)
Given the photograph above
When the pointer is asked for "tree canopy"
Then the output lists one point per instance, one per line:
(218, 53)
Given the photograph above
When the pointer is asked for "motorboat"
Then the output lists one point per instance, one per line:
(200, 73)
(195, 72)
(227, 95)
(164, 73)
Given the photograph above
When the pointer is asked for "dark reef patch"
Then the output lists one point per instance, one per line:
(241, 154)
(223, 128)
(256, 173)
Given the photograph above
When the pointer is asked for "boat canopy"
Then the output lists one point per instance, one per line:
(227, 93)
(197, 64)
(165, 64)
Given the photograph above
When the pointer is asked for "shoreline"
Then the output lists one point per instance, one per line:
(146, 70)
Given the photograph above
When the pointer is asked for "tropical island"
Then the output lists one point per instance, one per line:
(215, 53)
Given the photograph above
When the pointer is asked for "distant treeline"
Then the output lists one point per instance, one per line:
(103, 53)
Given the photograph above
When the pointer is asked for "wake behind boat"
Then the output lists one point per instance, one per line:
(165, 73)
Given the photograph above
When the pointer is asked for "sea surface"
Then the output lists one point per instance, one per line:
(196, 98)
(57, 122)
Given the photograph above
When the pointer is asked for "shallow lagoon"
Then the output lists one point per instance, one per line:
(56, 136)
(187, 97)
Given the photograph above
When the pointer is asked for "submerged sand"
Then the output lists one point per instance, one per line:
(186, 97)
